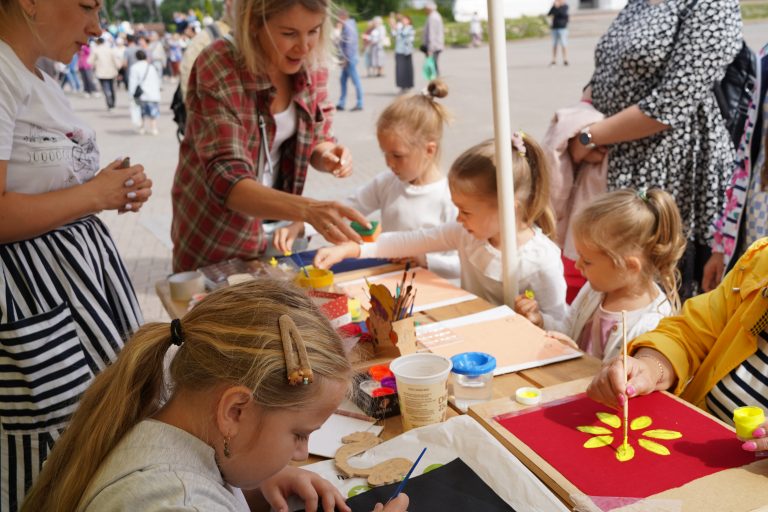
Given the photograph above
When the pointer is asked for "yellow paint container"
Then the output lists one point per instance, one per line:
(528, 396)
(746, 420)
(314, 278)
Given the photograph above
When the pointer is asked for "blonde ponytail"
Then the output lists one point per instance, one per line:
(232, 336)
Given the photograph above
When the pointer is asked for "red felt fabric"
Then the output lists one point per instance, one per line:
(705, 448)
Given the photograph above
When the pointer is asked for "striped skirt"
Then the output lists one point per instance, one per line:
(66, 307)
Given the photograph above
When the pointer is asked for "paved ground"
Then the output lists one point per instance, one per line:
(536, 90)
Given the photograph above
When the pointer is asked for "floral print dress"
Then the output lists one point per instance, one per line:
(641, 61)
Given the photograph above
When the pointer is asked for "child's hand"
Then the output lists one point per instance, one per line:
(329, 256)
(529, 308)
(608, 386)
(316, 492)
(399, 504)
(284, 237)
(563, 338)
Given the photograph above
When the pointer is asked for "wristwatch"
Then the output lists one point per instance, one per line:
(585, 137)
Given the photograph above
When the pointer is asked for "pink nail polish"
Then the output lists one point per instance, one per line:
(750, 446)
(621, 399)
(630, 390)
(759, 432)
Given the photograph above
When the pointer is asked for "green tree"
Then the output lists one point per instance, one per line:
(366, 9)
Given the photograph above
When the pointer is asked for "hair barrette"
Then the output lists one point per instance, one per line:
(642, 193)
(518, 144)
(299, 371)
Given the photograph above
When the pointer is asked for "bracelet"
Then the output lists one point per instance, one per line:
(661, 366)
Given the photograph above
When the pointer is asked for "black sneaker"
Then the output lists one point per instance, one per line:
(339, 108)
(357, 109)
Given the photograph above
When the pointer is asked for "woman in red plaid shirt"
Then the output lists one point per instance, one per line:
(258, 116)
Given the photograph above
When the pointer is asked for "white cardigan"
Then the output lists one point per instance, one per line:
(586, 304)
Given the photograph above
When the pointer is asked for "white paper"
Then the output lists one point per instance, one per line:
(460, 437)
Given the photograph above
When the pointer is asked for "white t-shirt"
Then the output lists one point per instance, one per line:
(46, 145)
(285, 127)
(539, 265)
(405, 207)
(157, 466)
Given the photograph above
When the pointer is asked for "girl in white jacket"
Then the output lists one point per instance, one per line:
(628, 245)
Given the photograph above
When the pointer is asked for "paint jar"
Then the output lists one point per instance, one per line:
(314, 278)
(746, 420)
(471, 379)
(422, 386)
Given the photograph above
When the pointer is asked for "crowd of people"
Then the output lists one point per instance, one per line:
(101, 412)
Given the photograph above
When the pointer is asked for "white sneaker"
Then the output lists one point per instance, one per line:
(155, 132)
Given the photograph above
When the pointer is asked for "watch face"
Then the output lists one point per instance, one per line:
(585, 138)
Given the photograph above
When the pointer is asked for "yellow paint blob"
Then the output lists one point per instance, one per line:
(590, 429)
(653, 447)
(641, 422)
(625, 452)
(661, 433)
(598, 442)
(529, 394)
(609, 419)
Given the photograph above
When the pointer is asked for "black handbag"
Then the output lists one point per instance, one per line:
(139, 91)
(734, 91)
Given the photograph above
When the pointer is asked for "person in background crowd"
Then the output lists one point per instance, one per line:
(106, 65)
(145, 75)
(86, 71)
(559, 13)
(218, 29)
(348, 50)
(434, 34)
(476, 30)
(403, 33)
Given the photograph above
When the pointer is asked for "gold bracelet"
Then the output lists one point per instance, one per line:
(661, 366)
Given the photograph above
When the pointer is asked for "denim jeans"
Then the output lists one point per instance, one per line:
(108, 88)
(350, 71)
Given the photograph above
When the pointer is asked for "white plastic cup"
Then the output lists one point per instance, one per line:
(422, 388)
(186, 284)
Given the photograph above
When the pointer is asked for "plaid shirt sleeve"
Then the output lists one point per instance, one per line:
(325, 108)
(217, 109)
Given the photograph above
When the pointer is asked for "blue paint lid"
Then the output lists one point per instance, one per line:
(473, 363)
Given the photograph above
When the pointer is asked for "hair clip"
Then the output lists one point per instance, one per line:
(177, 334)
(299, 372)
(518, 144)
(425, 92)
(642, 193)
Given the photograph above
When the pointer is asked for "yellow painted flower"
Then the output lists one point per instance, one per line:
(603, 436)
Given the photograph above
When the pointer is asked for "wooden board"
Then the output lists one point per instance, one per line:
(739, 489)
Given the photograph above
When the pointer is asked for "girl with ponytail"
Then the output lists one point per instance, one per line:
(257, 369)
(476, 233)
(629, 243)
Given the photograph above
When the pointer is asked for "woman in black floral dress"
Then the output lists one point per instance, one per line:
(663, 127)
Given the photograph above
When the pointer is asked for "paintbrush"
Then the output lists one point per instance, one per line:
(301, 265)
(407, 476)
(626, 398)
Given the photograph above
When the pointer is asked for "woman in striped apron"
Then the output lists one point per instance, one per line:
(714, 354)
(66, 303)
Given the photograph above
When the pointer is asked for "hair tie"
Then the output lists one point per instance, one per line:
(299, 372)
(177, 334)
(642, 193)
(518, 144)
(425, 92)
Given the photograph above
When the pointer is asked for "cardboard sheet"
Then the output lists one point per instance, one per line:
(432, 290)
(515, 342)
